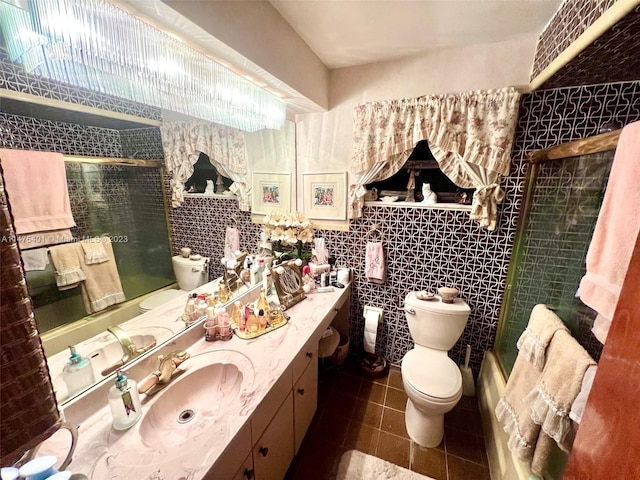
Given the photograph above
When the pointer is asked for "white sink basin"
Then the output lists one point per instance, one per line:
(191, 404)
(105, 358)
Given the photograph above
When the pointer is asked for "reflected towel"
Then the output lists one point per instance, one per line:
(533, 342)
(67, 261)
(94, 251)
(375, 269)
(231, 242)
(37, 259)
(36, 184)
(615, 233)
(561, 380)
(102, 287)
(44, 239)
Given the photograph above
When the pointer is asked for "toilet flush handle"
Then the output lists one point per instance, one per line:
(409, 310)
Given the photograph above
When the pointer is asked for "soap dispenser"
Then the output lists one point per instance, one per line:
(124, 402)
(77, 373)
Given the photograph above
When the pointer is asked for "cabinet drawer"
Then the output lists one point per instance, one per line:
(273, 452)
(231, 459)
(308, 353)
(305, 401)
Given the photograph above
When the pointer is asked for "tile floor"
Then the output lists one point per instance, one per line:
(368, 415)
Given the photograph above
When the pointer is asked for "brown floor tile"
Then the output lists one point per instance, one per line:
(460, 469)
(347, 384)
(372, 392)
(367, 413)
(331, 428)
(429, 461)
(351, 366)
(383, 379)
(362, 437)
(395, 378)
(341, 404)
(396, 399)
(463, 445)
(393, 422)
(465, 419)
(318, 456)
(393, 449)
(470, 403)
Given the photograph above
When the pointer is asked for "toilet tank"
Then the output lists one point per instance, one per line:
(190, 274)
(436, 324)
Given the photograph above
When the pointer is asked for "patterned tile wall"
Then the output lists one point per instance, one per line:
(567, 24)
(14, 77)
(610, 58)
(27, 133)
(144, 143)
(565, 204)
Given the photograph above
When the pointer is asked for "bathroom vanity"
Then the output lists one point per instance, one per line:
(239, 410)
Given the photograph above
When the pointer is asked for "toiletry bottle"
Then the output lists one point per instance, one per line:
(252, 323)
(263, 303)
(201, 307)
(222, 318)
(124, 402)
(262, 320)
(223, 293)
(77, 373)
(236, 315)
(189, 309)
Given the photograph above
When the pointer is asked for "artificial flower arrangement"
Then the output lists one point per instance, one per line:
(291, 229)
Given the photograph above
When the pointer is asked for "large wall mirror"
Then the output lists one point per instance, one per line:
(126, 202)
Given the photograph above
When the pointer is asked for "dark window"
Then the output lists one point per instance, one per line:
(426, 170)
(203, 171)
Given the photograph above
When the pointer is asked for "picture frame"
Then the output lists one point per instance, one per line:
(325, 195)
(270, 192)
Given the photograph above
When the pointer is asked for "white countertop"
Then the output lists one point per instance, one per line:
(104, 453)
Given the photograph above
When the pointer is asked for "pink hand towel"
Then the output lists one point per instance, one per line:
(231, 242)
(375, 269)
(615, 233)
(36, 184)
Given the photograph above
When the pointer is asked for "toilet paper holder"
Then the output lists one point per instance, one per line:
(369, 308)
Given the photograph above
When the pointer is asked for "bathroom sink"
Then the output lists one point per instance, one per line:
(196, 401)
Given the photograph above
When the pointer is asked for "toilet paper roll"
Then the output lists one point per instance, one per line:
(343, 276)
(370, 331)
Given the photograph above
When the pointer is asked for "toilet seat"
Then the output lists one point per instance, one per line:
(159, 298)
(432, 374)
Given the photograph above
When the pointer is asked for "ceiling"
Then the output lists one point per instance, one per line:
(343, 33)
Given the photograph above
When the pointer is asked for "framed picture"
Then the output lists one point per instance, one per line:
(325, 195)
(270, 192)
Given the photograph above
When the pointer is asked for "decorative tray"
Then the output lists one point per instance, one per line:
(269, 328)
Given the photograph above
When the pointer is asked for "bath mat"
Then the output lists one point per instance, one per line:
(355, 465)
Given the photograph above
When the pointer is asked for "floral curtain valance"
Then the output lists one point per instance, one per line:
(182, 143)
(469, 133)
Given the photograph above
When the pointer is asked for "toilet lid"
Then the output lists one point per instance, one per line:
(432, 373)
(159, 298)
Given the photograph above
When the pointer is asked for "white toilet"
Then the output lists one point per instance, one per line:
(432, 380)
(190, 274)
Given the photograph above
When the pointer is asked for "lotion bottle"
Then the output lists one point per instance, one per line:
(124, 402)
(77, 373)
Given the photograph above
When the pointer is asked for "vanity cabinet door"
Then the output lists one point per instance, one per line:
(273, 453)
(308, 354)
(246, 471)
(305, 401)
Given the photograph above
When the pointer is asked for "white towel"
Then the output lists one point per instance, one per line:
(615, 233)
(375, 268)
(577, 409)
(102, 287)
(94, 251)
(36, 259)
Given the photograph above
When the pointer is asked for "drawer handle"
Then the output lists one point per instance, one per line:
(248, 474)
(301, 391)
(310, 354)
(263, 451)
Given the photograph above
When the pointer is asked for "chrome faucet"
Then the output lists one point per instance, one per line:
(167, 371)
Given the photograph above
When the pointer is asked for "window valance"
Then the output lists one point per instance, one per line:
(182, 143)
(469, 133)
